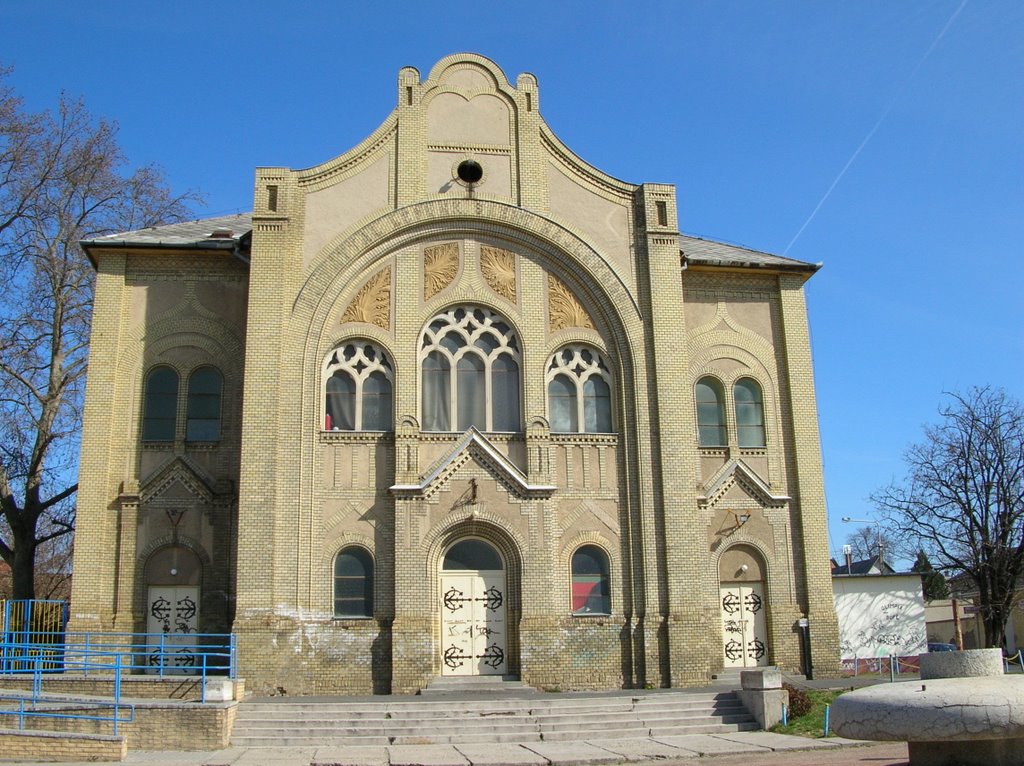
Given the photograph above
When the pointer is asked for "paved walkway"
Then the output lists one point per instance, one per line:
(738, 749)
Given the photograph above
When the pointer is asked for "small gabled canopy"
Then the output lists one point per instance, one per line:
(739, 472)
(474, 444)
(176, 482)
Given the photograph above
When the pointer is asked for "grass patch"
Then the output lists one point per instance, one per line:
(811, 724)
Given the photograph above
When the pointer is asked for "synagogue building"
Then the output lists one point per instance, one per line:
(455, 403)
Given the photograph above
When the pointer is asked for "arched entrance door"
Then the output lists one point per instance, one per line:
(173, 575)
(474, 640)
(743, 606)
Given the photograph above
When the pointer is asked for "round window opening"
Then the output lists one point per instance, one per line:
(469, 171)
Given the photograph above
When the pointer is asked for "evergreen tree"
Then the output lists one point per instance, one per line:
(933, 583)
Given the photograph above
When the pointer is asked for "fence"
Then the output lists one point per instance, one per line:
(36, 623)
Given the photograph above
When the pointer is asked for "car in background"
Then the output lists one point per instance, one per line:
(941, 647)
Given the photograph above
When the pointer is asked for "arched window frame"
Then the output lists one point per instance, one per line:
(752, 434)
(362, 604)
(580, 364)
(711, 432)
(203, 407)
(359, 360)
(160, 407)
(584, 601)
(453, 336)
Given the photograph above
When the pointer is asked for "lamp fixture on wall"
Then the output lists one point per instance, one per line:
(741, 519)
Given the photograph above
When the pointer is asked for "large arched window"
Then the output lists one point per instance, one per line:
(579, 391)
(203, 413)
(591, 593)
(160, 405)
(710, 413)
(484, 352)
(358, 388)
(749, 413)
(353, 583)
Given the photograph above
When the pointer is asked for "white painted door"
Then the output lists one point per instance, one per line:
(473, 623)
(744, 629)
(172, 621)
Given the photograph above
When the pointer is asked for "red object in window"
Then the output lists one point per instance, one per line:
(582, 592)
(327, 422)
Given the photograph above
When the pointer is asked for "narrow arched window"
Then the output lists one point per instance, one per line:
(563, 413)
(579, 391)
(749, 413)
(358, 389)
(591, 593)
(710, 413)
(353, 583)
(484, 352)
(160, 405)
(203, 413)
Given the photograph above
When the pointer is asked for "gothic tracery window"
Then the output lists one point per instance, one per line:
(579, 391)
(358, 388)
(481, 348)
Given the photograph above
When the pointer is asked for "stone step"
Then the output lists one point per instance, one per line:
(556, 718)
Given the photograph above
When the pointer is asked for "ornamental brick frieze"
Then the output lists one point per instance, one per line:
(499, 269)
(372, 304)
(440, 264)
(564, 310)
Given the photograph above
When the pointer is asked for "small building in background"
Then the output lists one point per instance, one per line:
(881, 612)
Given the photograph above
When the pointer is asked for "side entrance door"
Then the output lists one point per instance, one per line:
(744, 628)
(172, 619)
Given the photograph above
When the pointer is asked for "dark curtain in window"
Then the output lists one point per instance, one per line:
(353, 583)
(341, 402)
(203, 413)
(160, 408)
(505, 414)
(437, 386)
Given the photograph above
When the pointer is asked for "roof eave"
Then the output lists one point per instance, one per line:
(233, 245)
(690, 261)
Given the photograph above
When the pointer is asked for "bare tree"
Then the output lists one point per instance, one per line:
(962, 500)
(62, 180)
(868, 542)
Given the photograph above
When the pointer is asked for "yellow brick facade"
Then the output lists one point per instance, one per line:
(367, 249)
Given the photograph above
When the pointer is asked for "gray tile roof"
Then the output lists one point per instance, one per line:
(186, 234)
(707, 252)
(198, 233)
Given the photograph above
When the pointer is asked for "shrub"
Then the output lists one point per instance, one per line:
(799, 702)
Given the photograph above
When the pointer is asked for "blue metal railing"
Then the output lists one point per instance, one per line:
(62, 707)
(162, 654)
(195, 656)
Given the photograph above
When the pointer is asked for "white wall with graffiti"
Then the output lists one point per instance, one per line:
(880, 615)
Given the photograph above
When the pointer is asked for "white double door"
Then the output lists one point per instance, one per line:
(744, 628)
(172, 620)
(473, 629)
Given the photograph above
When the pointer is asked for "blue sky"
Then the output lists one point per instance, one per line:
(752, 108)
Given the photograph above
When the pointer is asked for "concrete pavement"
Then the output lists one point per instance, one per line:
(736, 749)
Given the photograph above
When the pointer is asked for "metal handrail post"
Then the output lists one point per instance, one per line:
(117, 691)
(202, 681)
(163, 656)
(37, 679)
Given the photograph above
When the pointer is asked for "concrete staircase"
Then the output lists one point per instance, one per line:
(521, 717)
